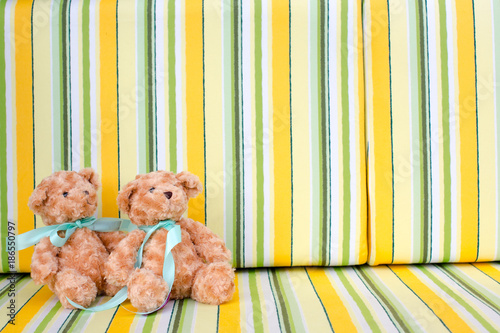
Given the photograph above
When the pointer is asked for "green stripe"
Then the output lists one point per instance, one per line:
(259, 133)
(64, 77)
(171, 87)
(237, 140)
(48, 317)
(286, 322)
(3, 144)
(424, 135)
(148, 325)
(456, 296)
(461, 280)
(70, 320)
(85, 53)
(446, 131)
(293, 307)
(391, 309)
(346, 246)
(415, 116)
(71, 325)
(258, 325)
(323, 119)
(176, 320)
(357, 298)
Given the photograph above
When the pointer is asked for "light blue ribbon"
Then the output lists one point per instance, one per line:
(32, 237)
(173, 238)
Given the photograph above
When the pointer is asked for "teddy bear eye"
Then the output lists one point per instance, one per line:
(151, 189)
(65, 194)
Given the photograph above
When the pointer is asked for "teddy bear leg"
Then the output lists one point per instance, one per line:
(146, 290)
(77, 287)
(214, 283)
(109, 289)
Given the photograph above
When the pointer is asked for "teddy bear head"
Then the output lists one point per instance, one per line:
(66, 196)
(158, 196)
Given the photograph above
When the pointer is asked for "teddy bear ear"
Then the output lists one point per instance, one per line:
(123, 199)
(37, 198)
(191, 183)
(91, 176)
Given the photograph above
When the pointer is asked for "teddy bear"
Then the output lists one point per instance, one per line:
(74, 270)
(202, 261)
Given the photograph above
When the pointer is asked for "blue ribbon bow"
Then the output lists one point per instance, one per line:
(173, 238)
(32, 237)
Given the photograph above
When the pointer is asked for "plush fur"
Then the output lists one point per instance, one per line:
(202, 261)
(74, 270)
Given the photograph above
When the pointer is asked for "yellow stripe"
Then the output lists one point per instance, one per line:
(361, 179)
(42, 91)
(300, 128)
(281, 134)
(381, 213)
(486, 129)
(123, 319)
(310, 306)
(24, 126)
(127, 84)
(492, 270)
(467, 114)
(206, 318)
(401, 127)
(109, 126)
(229, 313)
(214, 121)
(337, 312)
(30, 309)
(439, 306)
(194, 103)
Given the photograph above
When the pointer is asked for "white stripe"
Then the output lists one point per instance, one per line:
(75, 85)
(246, 50)
(226, 159)
(178, 84)
(310, 111)
(352, 50)
(41, 314)
(10, 116)
(93, 84)
(268, 301)
(453, 121)
(434, 134)
(245, 296)
(296, 300)
(266, 132)
(335, 109)
(160, 86)
(379, 313)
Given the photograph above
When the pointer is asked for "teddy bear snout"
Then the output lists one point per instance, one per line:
(168, 194)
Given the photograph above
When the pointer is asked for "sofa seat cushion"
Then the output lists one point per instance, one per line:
(437, 298)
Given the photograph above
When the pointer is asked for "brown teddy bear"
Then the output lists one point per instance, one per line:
(75, 269)
(202, 261)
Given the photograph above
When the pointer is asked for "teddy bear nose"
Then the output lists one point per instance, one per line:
(168, 194)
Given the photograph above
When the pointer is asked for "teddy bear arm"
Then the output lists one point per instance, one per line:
(208, 245)
(111, 239)
(120, 263)
(44, 263)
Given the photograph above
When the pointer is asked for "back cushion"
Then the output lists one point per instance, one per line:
(432, 73)
(262, 100)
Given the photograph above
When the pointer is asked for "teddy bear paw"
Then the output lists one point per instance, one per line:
(146, 290)
(214, 284)
(78, 288)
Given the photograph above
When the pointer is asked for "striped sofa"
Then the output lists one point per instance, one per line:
(349, 152)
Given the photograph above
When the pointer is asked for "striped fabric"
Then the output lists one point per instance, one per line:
(432, 96)
(431, 298)
(262, 99)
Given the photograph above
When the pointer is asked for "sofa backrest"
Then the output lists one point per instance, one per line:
(263, 100)
(432, 97)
